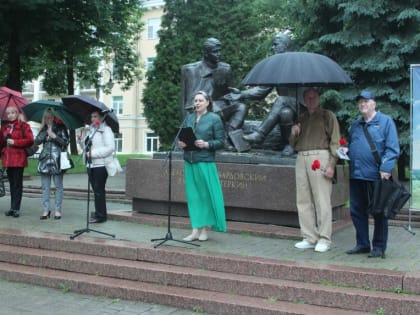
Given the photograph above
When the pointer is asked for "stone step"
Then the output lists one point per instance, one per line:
(34, 191)
(228, 274)
(228, 283)
(193, 299)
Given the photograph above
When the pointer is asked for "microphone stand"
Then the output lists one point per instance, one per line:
(86, 149)
(168, 236)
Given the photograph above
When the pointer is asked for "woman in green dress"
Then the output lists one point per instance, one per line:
(202, 185)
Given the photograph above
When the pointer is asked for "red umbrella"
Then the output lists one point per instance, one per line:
(10, 98)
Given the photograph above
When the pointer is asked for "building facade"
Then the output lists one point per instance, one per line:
(135, 137)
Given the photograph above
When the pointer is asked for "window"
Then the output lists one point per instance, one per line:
(118, 142)
(117, 104)
(149, 63)
(28, 87)
(152, 142)
(153, 26)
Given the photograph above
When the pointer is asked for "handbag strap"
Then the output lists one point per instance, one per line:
(372, 145)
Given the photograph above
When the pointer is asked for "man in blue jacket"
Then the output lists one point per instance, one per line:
(364, 170)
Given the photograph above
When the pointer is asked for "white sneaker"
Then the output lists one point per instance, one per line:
(304, 245)
(203, 235)
(192, 237)
(322, 247)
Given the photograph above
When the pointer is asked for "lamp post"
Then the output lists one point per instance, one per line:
(105, 84)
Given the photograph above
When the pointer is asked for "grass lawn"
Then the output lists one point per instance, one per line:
(79, 167)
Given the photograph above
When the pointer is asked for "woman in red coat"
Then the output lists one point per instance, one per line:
(16, 135)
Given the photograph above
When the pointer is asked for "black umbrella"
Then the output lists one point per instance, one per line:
(297, 69)
(83, 106)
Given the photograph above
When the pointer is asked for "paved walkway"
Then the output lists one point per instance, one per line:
(403, 252)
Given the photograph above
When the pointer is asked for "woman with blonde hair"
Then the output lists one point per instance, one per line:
(54, 139)
(16, 135)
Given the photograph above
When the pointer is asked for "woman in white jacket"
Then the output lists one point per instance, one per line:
(99, 146)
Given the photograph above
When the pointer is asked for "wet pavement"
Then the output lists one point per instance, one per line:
(403, 252)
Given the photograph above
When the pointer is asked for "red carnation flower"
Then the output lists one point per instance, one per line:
(58, 121)
(316, 165)
(96, 123)
(343, 141)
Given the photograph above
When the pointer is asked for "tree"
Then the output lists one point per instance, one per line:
(375, 41)
(67, 39)
(185, 26)
(42, 35)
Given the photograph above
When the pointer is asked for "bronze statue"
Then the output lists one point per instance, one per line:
(283, 111)
(215, 78)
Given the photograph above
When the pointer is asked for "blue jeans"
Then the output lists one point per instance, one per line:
(46, 189)
(359, 200)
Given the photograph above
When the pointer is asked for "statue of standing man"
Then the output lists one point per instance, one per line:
(215, 78)
(283, 111)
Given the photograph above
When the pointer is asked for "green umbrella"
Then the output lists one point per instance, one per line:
(34, 111)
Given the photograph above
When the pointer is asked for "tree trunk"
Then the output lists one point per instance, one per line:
(70, 90)
(13, 76)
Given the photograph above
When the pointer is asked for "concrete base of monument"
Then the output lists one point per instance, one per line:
(258, 188)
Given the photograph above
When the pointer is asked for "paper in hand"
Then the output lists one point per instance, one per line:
(342, 155)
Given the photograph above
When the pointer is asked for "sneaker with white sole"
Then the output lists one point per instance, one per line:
(322, 247)
(304, 245)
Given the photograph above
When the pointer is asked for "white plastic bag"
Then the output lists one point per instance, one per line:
(65, 163)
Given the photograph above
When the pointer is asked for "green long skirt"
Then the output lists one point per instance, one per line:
(206, 206)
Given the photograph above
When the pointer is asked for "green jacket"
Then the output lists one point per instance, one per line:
(209, 128)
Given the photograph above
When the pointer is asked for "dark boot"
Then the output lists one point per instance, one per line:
(263, 130)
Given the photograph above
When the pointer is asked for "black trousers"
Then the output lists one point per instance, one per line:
(97, 178)
(15, 177)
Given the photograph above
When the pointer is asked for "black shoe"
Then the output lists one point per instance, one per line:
(375, 253)
(96, 220)
(9, 213)
(358, 250)
(16, 214)
(44, 217)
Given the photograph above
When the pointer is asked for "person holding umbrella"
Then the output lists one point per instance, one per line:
(316, 138)
(99, 145)
(54, 138)
(16, 135)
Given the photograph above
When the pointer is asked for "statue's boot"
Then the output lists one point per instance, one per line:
(263, 130)
(285, 134)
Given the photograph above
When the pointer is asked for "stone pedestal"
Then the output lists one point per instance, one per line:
(257, 187)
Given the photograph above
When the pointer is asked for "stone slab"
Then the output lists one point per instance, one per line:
(260, 193)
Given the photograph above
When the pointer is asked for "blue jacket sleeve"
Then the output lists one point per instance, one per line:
(392, 147)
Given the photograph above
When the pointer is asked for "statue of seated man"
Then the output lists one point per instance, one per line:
(283, 111)
(215, 78)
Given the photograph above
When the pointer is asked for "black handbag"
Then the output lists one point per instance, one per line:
(386, 196)
(2, 189)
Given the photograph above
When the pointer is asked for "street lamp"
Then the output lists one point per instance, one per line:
(105, 84)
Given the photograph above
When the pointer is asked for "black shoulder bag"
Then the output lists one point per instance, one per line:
(387, 196)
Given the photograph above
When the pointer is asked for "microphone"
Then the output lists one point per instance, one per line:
(106, 111)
